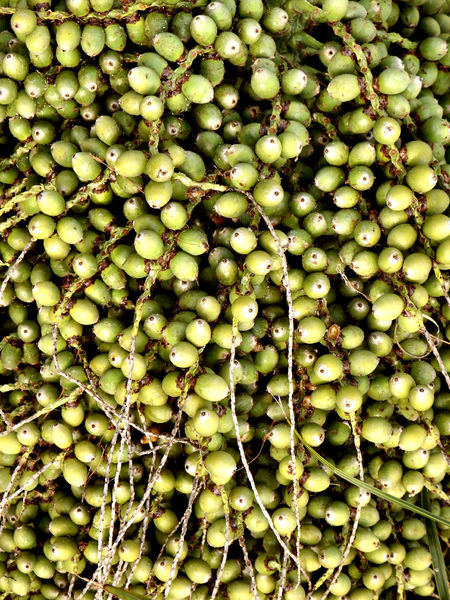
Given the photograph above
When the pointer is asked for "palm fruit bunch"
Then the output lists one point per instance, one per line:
(224, 299)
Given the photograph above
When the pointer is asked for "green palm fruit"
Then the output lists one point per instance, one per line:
(203, 194)
(180, 25)
(15, 66)
(264, 83)
(151, 108)
(399, 197)
(329, 178)
(436, 130)
(92, 40)
(159, 168)
(155, 23)
(131, 163)
(335, 11)
(386, 131)
(62, 548)
(203, 29)
(168, 45)
(433, 48)
(143, 80)
(43, 59)
(220, 466)
(388, 306)
(23, 22)
(8, 91)
(336, 153)
(421, 179)
(344, 87)
(115, 37)
(268, 193)
(393, 81)
(38, 39)
(149, 245)
(85, 167)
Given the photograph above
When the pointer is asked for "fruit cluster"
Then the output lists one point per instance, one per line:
(225, 239)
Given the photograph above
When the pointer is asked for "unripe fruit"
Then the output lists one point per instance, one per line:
(268, 193)
(336, 153)
(421, 179)
(243, 240)
(399, 197)
(386, 131)
(327, 368)
(62, 548)
(168, 45)
(198, 89)
(92, 40)
(149, 245)
(220, 466)
(158, 195)
(131, 163)
(362, 362)
(335, 11)
(349, 399)
(129, 550)
(249, 30)
(203, 29)
(311, 330)
(84, 312)
(376, 430)
(159, 167)
(293, 81)
(206, 422)
(86, 167)
(180, 193)
(41, 226)
(344, 87)
(388, 306)
(183, 355)
(151, 108)
(329, 179)
(265, 84)
(243, 176)
(23, 22)
(433, 48)
(393, 81)
(184, 267)
(144, 80)
(211, 387)
(10, 444)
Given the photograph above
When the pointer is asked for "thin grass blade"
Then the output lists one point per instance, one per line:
(123, 594)
(373, 490)
(440, 572)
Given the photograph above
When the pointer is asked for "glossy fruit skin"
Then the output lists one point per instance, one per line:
(265, 83)
(198, 89)
(211, 387)
(220, 466)
(421, 179)
(393, 81)
(344, 87)
(386, 130)
(149, 245)
(86, 168)
(268, 193)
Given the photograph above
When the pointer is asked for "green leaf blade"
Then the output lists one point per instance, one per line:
(373, 490)
(118, 592)
(123, 594)
(439, 568)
